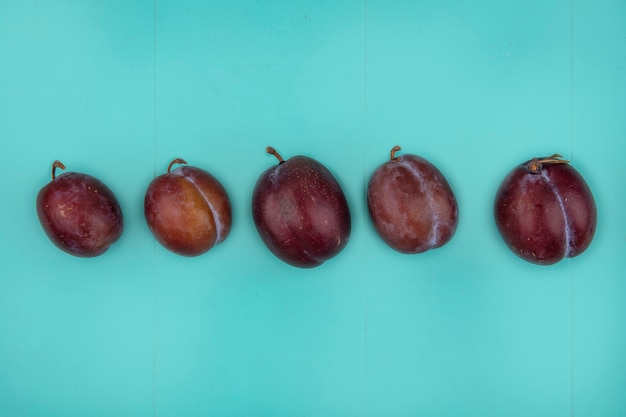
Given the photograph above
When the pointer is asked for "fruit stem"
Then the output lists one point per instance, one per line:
(55, 165)
(393, 152)
(536, 164)
(175, 161)
(272, 151)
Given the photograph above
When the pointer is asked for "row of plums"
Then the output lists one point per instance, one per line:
(543, 209)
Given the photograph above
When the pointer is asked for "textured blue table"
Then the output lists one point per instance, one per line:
(119, 88)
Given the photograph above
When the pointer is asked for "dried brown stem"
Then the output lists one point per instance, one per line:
(175, 161)
(536, 164)
(393, 152)
(55, 165)
(272, 151)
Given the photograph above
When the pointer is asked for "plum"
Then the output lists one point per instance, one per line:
(187, 210)
(79, 213)
(545, 211)
(300, 211)
(411, 204)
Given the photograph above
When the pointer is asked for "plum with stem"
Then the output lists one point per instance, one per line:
(411, 204)
(79, 213)
(300, 211)
(544, 211)
(187, 210)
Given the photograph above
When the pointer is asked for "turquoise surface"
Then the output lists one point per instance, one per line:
(117, 89)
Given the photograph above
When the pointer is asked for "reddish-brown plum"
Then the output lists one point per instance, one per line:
(300, 211)
(411, 204)
(545, 211)
(187, 210)
(79, 213)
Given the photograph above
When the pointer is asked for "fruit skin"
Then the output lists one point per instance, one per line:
(187, 210)
(545, 211)
(300, 212)
(79, 213)
(411, 205)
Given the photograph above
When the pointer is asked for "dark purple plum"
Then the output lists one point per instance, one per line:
(545, 211)
(300, 211)
(79, 213)
(187, 210)
(411, 204)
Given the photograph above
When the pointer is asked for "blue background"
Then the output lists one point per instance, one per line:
(117, 89)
